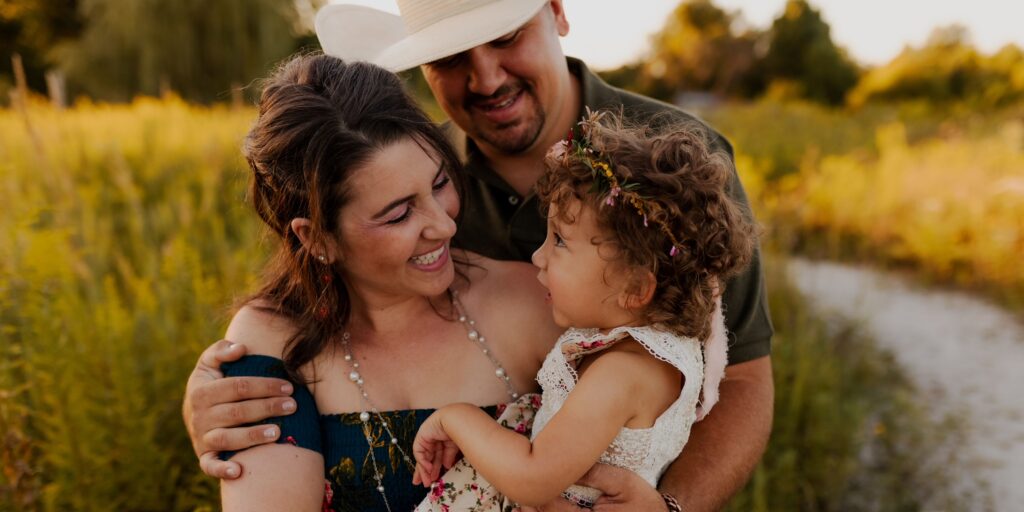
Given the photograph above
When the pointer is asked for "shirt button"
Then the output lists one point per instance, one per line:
(513, 200)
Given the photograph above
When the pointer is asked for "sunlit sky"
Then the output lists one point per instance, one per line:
(606, 35)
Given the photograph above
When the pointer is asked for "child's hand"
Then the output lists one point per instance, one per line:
(432, 449)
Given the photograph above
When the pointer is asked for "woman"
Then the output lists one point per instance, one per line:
(366, 306)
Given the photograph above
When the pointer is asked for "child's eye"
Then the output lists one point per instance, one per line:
(559, 241)
(401, 218)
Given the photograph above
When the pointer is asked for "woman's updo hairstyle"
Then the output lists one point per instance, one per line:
(321, 118)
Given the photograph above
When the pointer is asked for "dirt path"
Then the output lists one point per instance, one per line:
(964, 354)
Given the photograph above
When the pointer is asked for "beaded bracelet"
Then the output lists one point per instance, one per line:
(671, 502)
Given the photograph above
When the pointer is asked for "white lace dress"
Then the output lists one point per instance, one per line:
(645, 451)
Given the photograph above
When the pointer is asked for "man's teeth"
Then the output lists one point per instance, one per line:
(428, 258)
(503, 104)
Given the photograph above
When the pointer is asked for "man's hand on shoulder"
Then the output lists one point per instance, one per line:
(215, 407)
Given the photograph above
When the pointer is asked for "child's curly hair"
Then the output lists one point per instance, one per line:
(681, 185)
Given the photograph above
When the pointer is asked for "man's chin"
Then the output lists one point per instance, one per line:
(511, 141)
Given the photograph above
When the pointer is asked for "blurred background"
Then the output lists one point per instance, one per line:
(882, 145)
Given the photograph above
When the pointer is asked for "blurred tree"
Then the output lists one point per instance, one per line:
(947, 69)
(199, 49)
(801, 53)
(32, 28)
(695, 50)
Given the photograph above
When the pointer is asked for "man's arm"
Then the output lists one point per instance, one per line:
(214, 407)
(725, 447)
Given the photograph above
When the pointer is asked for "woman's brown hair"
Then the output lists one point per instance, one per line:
(321, 118)
(673, 215)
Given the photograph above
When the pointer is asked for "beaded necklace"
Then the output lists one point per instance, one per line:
(365, 416)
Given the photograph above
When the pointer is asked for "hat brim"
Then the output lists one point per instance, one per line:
(353, 32)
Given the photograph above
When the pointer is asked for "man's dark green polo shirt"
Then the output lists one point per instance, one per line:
(499, 223)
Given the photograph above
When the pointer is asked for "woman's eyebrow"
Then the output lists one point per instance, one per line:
(405, 199)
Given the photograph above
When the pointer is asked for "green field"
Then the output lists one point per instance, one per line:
(125, 237)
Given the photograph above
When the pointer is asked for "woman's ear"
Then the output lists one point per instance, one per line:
(639, 291)
(325, 251)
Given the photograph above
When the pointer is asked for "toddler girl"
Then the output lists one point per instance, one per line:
(641, 234)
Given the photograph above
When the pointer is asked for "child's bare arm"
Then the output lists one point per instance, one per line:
(602, 402)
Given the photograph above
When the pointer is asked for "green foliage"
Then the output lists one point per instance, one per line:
(31, 28)
(197, 48)
(700, 49)
(801, 51)
(123, 238)
(697, 50)
(947, 69)
(940, 192)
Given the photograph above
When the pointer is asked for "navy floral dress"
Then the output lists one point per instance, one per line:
(348, 469)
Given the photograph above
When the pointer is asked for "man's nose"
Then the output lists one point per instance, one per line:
(486, 75)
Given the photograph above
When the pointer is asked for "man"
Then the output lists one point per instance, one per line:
(497, 69)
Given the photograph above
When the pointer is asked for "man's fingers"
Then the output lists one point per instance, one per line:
(217, 468)
(602, 476)
(220, 352)
(234, 389)
(236, 414)
(240, 438)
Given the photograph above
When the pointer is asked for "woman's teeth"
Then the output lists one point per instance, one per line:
(427, 259)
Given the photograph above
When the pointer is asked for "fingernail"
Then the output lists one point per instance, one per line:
(232, 345)
(232, 471)
(288, 406)
(287, 388)
(270, 433)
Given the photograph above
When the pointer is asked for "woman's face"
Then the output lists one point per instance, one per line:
(395, 231)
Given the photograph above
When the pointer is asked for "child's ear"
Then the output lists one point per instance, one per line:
(639, 291)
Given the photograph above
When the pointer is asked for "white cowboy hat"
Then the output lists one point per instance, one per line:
(425, 31)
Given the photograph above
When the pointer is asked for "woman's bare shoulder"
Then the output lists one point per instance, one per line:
(512, 288)
(260, 329)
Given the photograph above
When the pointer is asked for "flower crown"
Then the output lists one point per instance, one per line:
(605, 181)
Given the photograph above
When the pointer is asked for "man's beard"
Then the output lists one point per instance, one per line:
(498, 136)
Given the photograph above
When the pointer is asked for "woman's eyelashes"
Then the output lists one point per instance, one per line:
(559, 241)
(443, 182)
(405, 215)
(440, 185)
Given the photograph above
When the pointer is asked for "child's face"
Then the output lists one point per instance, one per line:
(586, 288)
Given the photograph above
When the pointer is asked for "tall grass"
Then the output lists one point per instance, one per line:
(124, 236)
(942, 195)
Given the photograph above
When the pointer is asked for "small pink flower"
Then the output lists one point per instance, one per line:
(500, 410)
(521, 428)
(436, 490)
(673, 251)
(535, 401)
(558, 150)
(328, 496)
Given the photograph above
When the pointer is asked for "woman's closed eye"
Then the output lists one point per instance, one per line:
(559, 241)
(401, 218)
(443, 182)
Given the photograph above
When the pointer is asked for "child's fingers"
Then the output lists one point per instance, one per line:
(451, 452)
